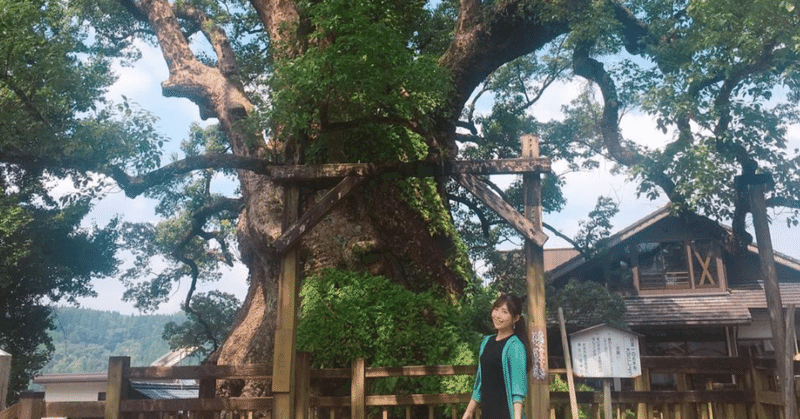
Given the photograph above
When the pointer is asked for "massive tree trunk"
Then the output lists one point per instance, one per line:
(375, 219)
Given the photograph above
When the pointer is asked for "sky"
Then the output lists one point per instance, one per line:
(141, 84)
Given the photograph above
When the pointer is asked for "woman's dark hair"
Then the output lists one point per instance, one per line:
(514, 305)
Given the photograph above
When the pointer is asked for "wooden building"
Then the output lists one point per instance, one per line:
(684, 290)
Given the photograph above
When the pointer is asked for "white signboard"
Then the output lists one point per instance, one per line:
(605, 352)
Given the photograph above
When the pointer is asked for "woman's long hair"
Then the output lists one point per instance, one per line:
(514, 305)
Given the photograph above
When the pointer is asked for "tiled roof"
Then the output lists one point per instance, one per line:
(184, 389)
(685, 311)
(754, 297)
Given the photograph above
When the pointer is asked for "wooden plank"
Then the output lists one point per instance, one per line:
(692, 364)
(310, 218)
(31, 405)
(411, 169)
(329, 401)
(658, 397)
(74, 409)
(218, 404)
(10, 413)
(416, 399)
(420, 370)
(358, 388)
(201, 372)
(330, 373)
(117, 385)
(502, 208)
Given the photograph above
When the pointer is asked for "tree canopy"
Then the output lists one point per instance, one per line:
(385, 81)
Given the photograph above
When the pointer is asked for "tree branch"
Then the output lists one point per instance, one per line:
(485, 224)
(136, 185)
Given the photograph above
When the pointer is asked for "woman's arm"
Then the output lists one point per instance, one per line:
(468, 414)
(518, 410)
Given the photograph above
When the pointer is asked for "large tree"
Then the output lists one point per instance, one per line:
(300, 81)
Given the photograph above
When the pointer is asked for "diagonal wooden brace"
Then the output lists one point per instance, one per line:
(311, 217)
(503, 208)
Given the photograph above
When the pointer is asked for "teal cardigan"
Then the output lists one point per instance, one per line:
(514, 372)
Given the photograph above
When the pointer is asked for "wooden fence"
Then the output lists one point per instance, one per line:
(696, 388)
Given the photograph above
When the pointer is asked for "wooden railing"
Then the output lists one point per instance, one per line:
(704, 388)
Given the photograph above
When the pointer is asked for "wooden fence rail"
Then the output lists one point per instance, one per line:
(703, 388)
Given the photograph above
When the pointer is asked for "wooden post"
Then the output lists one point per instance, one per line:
(573, 400)
(283, 367)
(116, 385)
(358, 397)
(539, 380)
(31, 405)
(774, 304)
(302, 385)
(5, 373)
(642, 383)
(207, 389)
(607, 398)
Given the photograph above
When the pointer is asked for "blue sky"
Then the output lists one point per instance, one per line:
(141, 84)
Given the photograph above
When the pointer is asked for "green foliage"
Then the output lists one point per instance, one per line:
(594, 231)
(587, 304)
(358, 86)
(209, 322)
(348, 315)
(44, 257)
(560, 384)
(84, 339)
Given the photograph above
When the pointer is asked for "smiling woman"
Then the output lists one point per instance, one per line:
(502, 381)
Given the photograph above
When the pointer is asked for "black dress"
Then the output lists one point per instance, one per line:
(494, 401)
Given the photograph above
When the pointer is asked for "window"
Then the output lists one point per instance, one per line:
(663, 266)
(676, 265)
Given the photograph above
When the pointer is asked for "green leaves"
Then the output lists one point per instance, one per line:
(346, 315)
(358, 87)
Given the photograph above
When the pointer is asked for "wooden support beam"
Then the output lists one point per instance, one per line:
(311, 217)
(539, 380)
(283, 366)
(502, 208)
(413, 169)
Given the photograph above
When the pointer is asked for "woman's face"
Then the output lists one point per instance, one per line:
(502, 319)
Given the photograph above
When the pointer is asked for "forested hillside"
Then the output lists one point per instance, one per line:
(84, 339)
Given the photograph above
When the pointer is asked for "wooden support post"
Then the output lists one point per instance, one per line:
(283, 367)
(5, 374)
(31, 405)
(642, 383)
(539, 379)
(303, 385)
(358, 388)
(116, 385)
(607, 398)
(774, 305)
(207, 389)
(573, 400)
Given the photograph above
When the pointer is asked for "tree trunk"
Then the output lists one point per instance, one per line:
(374, 230)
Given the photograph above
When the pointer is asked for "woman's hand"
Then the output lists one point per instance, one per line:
(517, 410)
(470, 412)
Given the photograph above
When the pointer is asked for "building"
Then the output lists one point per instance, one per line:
(88, 387)
(685, 291)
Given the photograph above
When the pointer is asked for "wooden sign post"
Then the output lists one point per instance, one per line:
(606, 352)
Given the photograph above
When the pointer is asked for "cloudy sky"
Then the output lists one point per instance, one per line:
(141, 84)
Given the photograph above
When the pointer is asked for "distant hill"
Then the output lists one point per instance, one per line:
(84, 339)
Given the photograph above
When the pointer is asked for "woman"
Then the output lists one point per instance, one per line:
(502, 381)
